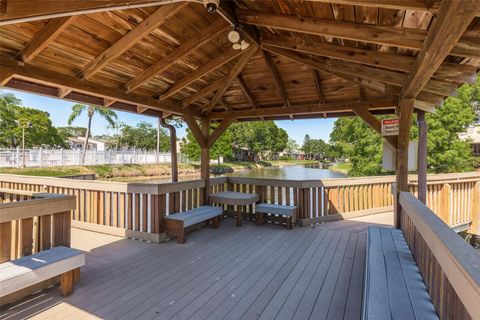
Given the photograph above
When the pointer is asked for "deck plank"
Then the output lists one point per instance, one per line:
(226, 273)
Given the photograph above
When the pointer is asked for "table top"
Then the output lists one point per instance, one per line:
(234, 198)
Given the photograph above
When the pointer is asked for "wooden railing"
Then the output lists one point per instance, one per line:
(449, 266)
(137, 210)
(32, 222)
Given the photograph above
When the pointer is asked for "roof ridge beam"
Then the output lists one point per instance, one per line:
(43, 38)
(128, 40)
(402, 38)
(186, 48)
(201, 71)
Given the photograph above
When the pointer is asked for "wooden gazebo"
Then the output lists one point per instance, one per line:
(298, 59)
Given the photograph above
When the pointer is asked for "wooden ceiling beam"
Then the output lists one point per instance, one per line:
(63, 92)
(201, 71)
(313, 108)
(234, 72)
(278, 80)
(416, 5)
(318, 84)
(246, 91)
(217, 27)
(54, 79)
(141, 109)
(353, 72)
(115, 50)
(43, 38)
(15, 11)
(448, 71)
(383, 35)
(453, 18)
(203, 92)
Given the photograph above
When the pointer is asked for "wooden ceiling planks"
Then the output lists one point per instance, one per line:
(188, 72)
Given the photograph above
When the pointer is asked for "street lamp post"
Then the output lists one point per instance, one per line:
(23, 125)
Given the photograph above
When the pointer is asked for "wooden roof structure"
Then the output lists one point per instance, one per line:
(306, 59)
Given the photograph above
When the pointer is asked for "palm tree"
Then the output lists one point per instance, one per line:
(78, 109)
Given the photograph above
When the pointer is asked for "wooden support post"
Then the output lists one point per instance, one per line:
(422, 156)
(67, 281)
(205, 160)
(405, 113)
(475, 215)
(173, 147)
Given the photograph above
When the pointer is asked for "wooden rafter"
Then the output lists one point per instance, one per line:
(213, 137)
(318, 85)
(55, 79)
(141, 109)
(356, 73)
(234, 72)
(246, 91)
(43, 38)
(15, 10)
(417, 5)
(214, 29)
(203, 92)
(152, 22)
(452, 21)
(313, 108)
(451, 71)
(63, 92)
(210, 66)
(278, 80)
(392, 36)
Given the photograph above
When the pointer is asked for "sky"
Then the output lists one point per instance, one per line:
(59, 111)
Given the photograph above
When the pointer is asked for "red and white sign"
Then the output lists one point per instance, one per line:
(390, 127)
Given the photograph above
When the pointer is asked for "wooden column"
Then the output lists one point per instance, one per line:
(405, 113)
(205, 159)
(422, 156)
(173, 147)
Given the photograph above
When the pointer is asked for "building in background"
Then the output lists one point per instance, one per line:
(77, 143)
(473, 135)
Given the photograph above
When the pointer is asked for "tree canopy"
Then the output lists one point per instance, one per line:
(39, 130)
(352, 138)
(142, 136)
(315, 148)
(256, 137)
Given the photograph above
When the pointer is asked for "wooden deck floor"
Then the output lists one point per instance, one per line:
(252, 272)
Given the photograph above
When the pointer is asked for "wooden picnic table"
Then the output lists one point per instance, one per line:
(235, 199)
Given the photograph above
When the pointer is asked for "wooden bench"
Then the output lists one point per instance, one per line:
(176, 224)
(27, 271)
(394, 288)
(289, 212)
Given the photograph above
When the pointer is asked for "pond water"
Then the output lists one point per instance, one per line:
(291, 172)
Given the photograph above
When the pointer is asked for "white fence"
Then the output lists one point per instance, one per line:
(50, 158)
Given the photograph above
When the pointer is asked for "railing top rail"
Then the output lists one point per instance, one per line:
(162, 188)
(459, 261)
(45, 205)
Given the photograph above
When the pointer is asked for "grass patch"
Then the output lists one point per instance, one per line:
(343, 167)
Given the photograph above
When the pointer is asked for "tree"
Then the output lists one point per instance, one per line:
(354, 139)
(69, 132)
(143, 136)
(292, 146)
(78, 109)
(221, 148)
(39, 133)
(314, 148)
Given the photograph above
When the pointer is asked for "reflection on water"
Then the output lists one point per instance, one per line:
(296, 172)
(312, 171)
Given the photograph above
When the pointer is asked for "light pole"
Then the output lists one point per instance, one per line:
(23, 125)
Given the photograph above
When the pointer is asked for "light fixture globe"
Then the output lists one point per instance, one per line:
(233, 36)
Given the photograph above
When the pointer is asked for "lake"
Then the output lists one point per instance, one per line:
(294, 172)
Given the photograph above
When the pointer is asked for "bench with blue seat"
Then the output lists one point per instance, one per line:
(176, 224)
(288, 212)
(394, 288)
